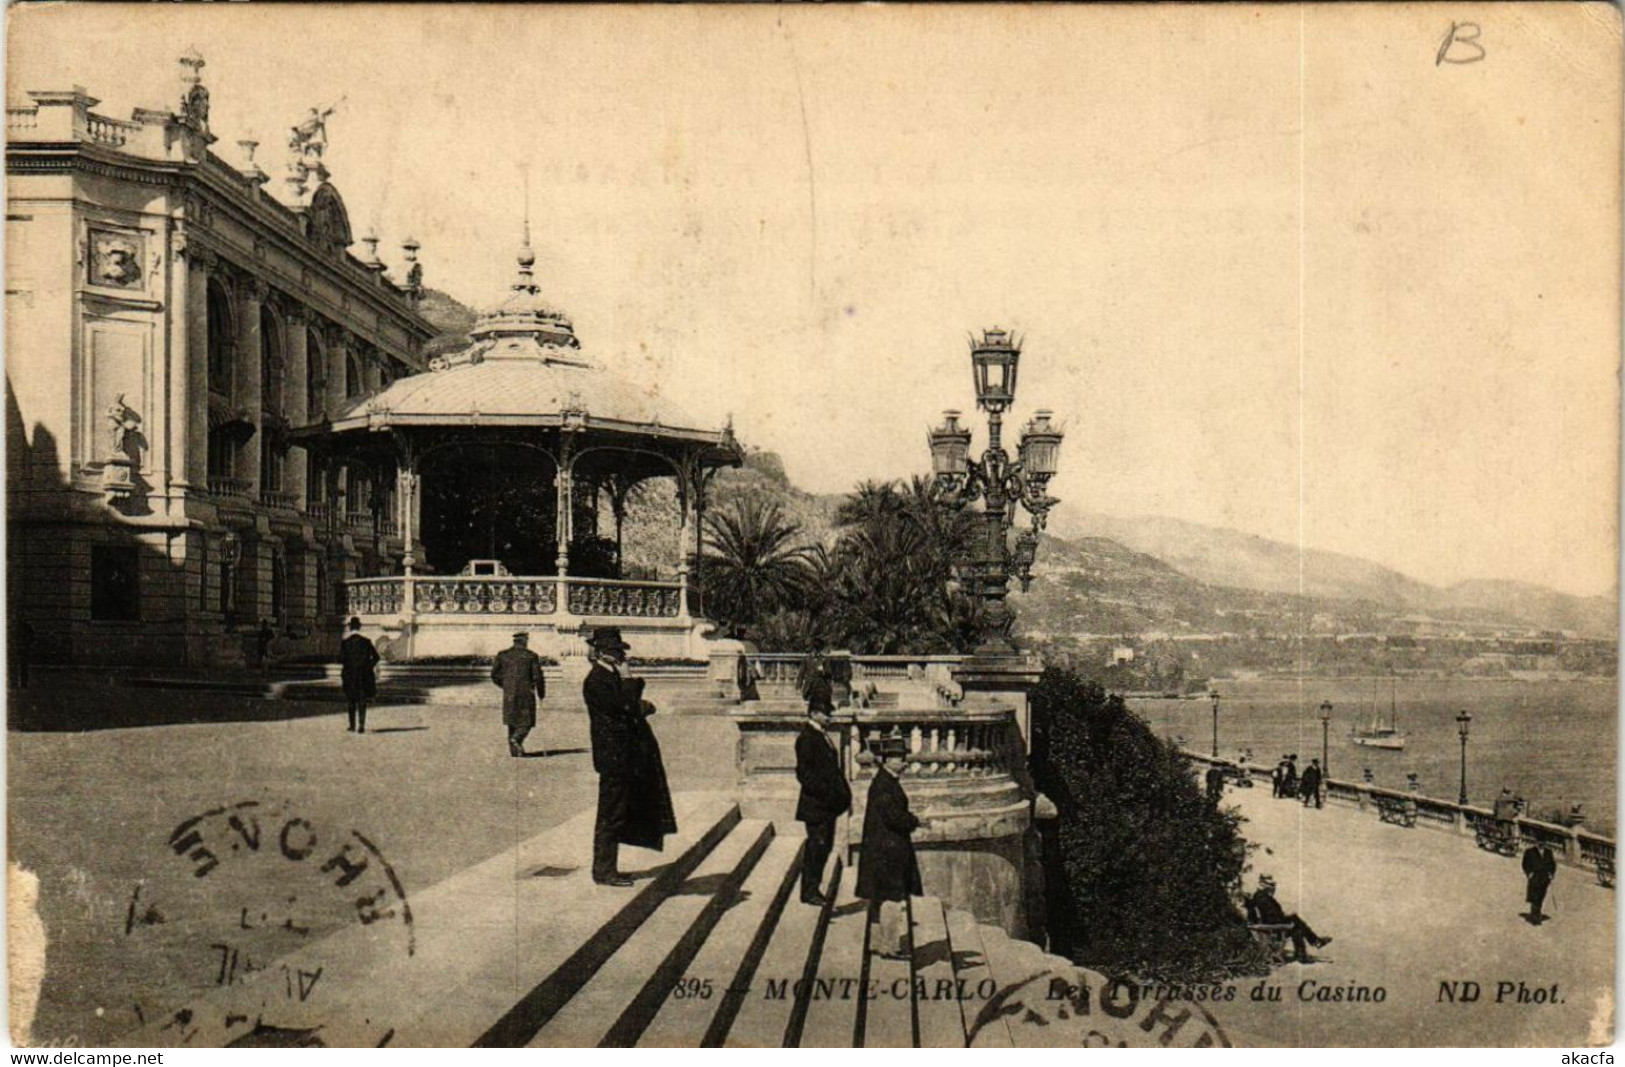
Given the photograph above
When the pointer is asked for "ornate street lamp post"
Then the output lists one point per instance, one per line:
(1325, 730)
(1463, 721)
(1214, 695)
(999, 483)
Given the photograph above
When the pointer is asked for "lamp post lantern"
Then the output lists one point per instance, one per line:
(1214, 696)
(1463, 721)
(999, 482)
(1325, 730)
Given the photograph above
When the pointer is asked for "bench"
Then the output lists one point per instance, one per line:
(1605, 872)
(1499, 837)
(1398, 812)
(1273, 937)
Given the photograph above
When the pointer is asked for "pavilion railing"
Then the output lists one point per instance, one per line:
(614, 598)
(484, 596)
(508, 595)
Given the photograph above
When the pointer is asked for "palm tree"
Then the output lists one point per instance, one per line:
(753, 566)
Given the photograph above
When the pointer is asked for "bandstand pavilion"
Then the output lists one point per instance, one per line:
(508, 455)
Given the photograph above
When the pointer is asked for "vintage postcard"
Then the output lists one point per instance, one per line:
(838, 526)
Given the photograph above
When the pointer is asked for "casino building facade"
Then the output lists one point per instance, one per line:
(172, 321)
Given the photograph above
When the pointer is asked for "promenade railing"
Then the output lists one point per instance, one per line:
(1574, 846)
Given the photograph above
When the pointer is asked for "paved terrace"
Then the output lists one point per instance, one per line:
(1411, 908)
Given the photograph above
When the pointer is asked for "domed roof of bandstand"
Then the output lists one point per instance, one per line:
(524, 366)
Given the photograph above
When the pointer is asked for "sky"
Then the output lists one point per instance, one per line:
(1278, 269)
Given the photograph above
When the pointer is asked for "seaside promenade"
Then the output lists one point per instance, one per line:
(433, 788)
(1410, 909)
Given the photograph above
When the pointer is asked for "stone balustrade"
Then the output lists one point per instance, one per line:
(484, 596)
(1573, 845)
(278, 500)
(22, 118)
(113, 133)
(229, 488)
(961, 777)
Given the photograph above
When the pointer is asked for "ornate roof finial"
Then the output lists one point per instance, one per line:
(194, 97)
(525, 282)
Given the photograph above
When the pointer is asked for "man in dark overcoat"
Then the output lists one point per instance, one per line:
(888, 871)
(518, 671)
(1262, 907)
(358, 660)
(825, 796)
(1277, 777)
(1215, 783)
(1309, 786)
(1539, 868)
(1289, 777)
(634, 801)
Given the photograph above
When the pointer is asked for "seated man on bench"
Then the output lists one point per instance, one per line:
(1264, 910)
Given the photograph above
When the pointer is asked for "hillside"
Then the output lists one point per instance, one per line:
(1229, 558)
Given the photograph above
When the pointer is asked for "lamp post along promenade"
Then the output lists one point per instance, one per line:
(1325, 732)
(999, 483)
(1463, 722)
(1215, 696)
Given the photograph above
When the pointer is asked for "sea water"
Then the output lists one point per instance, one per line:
(1552, 742)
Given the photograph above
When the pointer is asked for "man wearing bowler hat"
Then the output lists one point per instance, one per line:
(518, 671)
(634, 802)
(888, 872)
(358, 659)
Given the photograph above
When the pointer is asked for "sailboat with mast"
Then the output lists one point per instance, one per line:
(1378, 734)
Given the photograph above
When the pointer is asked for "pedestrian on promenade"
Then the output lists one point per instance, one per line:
(888, 871)
(22, 652)
(1264, 909)
(1277, 777)
(634, 802)
(1215, 783)
(825, 795)
(358, 659)
(1309, 788)
(518, 671)
(262, 645)
(1289, 778)
(1539, 868)
(815, 684)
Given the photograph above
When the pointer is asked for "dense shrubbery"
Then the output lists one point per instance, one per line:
(1140, 868)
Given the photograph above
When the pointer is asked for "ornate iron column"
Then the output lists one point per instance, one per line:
(1001, 484)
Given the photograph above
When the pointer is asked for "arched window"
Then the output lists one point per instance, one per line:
(271, 362)
(315, 375)
(222, 339)
(354, 383)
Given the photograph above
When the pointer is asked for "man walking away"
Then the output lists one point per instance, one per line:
(825, 796)
(1309, 788)
(1215, 783)
(1539, 868)
(518, 671)
(1263, 908)
(888, 871)
(358, 659)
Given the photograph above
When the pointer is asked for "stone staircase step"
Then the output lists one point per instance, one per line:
(984, 1026)
(888, 1019)
(939, 1020)
(765, 1020)
(731, 954)
(611, 1009)
(496, 946)
(835, 994)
